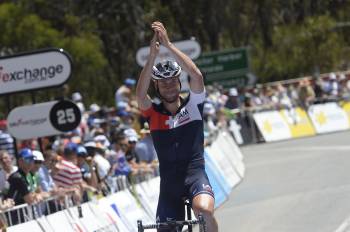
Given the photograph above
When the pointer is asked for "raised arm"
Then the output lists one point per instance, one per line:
(196, 82)
(144, 81)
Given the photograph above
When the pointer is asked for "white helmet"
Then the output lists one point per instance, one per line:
(166, 69)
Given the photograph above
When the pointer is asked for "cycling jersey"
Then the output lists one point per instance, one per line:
(178, 140)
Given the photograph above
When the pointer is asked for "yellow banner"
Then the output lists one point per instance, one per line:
(346, 107)
(298, 122)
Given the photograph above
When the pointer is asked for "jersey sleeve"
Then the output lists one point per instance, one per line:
(197, 98)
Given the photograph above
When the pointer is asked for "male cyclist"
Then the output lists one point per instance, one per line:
(177, 131)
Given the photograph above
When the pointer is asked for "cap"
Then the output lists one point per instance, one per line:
(70, 148)
(208, 108)
(233, 92)
(90, 144)
(26, 153)
(332, 76)
(131, 135)
(81, 151)
(121, 105)
(94, 108)
(129, 81)
(38, 156)
(77, 97)
(102, 139)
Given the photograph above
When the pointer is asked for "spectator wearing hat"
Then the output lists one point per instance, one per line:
(34, 175)
(99, 163)
(117, 159)
(144, 148)
(68, 176)
(232, 101)
(88, 170)
(20, 189)
(78, 99)
(6, 140)
(123, 93)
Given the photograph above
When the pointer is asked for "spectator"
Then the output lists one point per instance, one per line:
(123, 93)
(20, 189)
(334, 86)
(306, 94)
(68, 176)
(7, 168)
(6, 140)
(34, 175)
(102, 166)
(131, 156)
(45, 172)
(78, 99)
(144, 148)
(117, 158)
(233, 101)
(87, 168)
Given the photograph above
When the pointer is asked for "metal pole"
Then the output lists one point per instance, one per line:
(8, 103)
(38, 139)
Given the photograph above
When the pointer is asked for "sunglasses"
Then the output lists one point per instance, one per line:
(38, 162)
(28, 160)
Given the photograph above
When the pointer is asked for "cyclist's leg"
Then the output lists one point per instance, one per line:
(204, 203)
(202, 198)
(170, 208)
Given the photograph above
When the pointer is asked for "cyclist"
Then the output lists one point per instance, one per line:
(177, 131)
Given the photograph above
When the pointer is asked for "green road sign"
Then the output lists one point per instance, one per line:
(228, 67)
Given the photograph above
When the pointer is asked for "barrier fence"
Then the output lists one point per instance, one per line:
(127, 203)
(256, 125)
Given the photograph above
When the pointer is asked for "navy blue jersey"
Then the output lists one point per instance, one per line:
(179, 142)
(178, 139)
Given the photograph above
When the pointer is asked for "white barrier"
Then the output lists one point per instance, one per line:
(113, 214)
(221, 161)
(61, 221)
(31, 226)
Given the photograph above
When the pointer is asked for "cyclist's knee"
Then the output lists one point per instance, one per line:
(203, 204)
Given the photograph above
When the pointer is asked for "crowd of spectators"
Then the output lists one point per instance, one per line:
(116, 141)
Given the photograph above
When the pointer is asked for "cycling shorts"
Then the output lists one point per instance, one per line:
(173, 194)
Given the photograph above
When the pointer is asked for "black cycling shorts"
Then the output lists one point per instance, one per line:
(173, 193)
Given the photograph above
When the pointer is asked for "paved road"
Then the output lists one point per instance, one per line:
(300, 185)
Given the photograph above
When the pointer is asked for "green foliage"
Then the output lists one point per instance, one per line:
(299, 49)
(287, 38)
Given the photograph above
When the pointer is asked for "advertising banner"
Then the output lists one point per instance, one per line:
(34, 70)
(328, 117)
(272, 126)
(44, 119)
(298, 122)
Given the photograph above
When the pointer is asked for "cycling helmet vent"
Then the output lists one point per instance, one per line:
(166, 69)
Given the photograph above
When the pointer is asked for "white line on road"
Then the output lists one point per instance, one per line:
(344, 227)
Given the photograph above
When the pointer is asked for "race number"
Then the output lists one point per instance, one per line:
(65, 116)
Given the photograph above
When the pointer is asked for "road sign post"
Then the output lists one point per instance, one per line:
(228, 68)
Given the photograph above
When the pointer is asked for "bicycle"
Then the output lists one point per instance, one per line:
(174, 225)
